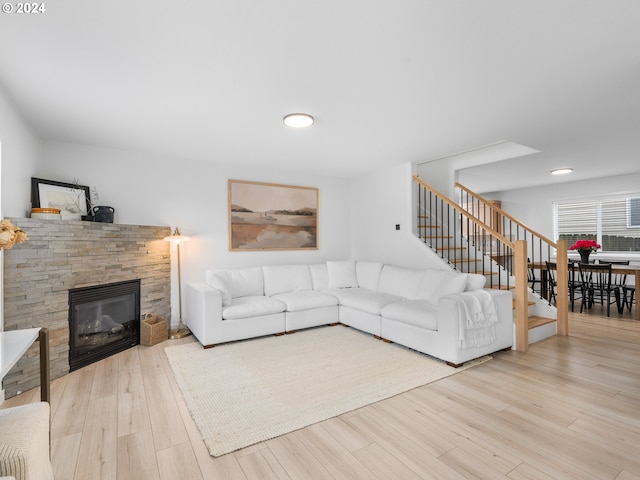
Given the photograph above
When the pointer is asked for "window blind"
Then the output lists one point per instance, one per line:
(614, 222)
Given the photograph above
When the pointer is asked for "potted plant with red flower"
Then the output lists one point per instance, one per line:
(584, 248)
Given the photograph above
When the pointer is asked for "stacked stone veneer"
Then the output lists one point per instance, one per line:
(65, 254)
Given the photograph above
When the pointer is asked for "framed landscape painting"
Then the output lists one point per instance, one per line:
(268, 216)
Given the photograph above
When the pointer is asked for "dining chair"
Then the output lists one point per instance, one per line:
(597, 287)
(620, 279)
(629, 291)
(552, 283)
(533, 279)
(575, 284)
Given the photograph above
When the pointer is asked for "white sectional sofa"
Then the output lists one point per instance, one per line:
(443, 313)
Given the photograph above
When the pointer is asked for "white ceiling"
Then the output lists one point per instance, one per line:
(388, 81)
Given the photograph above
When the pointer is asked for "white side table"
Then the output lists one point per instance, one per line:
(15, 343)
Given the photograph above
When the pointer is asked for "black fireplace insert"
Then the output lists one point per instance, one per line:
(103, 320)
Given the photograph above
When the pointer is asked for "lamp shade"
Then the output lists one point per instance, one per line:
(176, 237)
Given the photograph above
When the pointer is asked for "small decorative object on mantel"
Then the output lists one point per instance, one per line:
(10, 235)
(46, 213)
(103, 214)
(584, 248)
(93, 200)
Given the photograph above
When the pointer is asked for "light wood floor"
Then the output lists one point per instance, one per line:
(567, 409)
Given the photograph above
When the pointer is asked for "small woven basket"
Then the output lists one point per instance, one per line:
(154, 329)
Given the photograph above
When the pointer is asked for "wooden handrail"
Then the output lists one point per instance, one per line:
(505, 214)
(469, 216)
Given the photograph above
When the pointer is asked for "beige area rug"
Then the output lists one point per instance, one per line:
(246, 392)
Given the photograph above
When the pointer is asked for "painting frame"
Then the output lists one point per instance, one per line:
(272, 216)
(72, 199)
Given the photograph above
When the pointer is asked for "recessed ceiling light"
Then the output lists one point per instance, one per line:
(561, 171)
(298, 120)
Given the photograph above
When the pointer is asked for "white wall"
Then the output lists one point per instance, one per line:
(20, 153)
(19, 150)
(379, 201)
(147, 189)
(440, 174)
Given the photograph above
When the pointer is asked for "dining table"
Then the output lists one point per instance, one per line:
(615, 268)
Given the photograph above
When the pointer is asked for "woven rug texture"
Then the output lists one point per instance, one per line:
(246, 392)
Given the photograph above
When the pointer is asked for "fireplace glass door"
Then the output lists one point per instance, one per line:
(103, 320)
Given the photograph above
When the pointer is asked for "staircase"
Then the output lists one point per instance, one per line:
(474, 235)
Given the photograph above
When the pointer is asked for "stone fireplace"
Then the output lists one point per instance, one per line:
(64, 255)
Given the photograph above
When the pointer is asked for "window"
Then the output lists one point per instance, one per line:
(614, 222)
(633, 212)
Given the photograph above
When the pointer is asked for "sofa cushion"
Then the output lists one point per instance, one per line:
(306, 300)
(402, 282)
(420, 313)
(342, 274)
(363, 299)
(252, 306)
(286, 278)
(319, 276)
(368, 274)
(475, 282)
(240, 282)
(437, 283)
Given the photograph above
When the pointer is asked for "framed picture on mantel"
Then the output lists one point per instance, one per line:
(268, 216)
(72, 199)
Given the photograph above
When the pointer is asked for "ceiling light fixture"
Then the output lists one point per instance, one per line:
(298, 120)
(561, 171)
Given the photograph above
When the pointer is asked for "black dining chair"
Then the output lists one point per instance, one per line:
(575, 284)
(597, 287)
(552, 283)
(533, 279)
(628, 291)
(620, 279)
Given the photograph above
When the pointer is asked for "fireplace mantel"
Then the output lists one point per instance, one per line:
(65, 254)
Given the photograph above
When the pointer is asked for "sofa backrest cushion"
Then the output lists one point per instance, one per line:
(240, 282)
(342, 274)
(399, 281)
(286, 278)
(475, 281)
(437, 283)
(319, 276)
(368, 274)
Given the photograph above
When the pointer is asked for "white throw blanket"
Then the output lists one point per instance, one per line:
(478, 318)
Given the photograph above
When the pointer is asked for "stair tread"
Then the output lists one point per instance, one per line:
(464, 260)
(537, 321)
(529, 303)
(502, 287)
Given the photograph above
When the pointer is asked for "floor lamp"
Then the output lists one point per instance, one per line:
(177, 238)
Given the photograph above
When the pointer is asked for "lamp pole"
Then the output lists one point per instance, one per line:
(177, 238)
